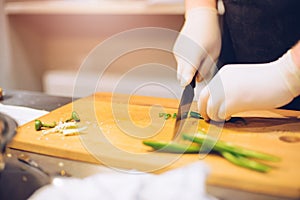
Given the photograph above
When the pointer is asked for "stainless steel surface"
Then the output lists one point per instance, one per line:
(184, 108)
(18, 180)
(55, 166)
(35, 100)
(58, 166)
(25, 158)
(8, 130)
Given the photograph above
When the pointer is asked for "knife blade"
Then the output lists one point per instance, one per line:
(184, 108)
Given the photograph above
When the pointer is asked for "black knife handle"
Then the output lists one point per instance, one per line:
(193, 82)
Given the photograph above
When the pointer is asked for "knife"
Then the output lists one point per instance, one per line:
(184, 108)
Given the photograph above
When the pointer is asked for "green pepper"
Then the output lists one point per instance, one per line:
(39, 125)
(195, 115)
(161, 114)
(245, 162)
(225, 146)
(172, 147)
(74, 117)
(167, 116)
(174, 115)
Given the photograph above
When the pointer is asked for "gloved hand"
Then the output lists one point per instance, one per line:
(241, 87)
(198, 44)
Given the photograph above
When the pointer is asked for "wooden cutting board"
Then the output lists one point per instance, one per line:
(116, 125)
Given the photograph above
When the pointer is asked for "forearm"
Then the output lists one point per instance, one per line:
(189, 4)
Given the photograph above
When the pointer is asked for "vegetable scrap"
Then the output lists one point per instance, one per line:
(74, 117)
(191, 114)
(174, 115)
(235, 154)
(67, 127)
(195, 115)
(166, 115)
(172, 147)
(39, 125)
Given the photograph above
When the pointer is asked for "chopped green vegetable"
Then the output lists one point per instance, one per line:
(39, 125)
(245, 162)
(235, 154)
(161, 114)
(195, 115)
(172, 147)
(225, 146)
(167, 116)
(69, 127)
(185, 115)
(74, 117)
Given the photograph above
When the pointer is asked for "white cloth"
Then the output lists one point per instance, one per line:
(21, 114)
(184, 183)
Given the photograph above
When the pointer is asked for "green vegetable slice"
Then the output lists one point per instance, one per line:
(161, 114)
(167, 116)
(195, 115)
(221, 146)
(245, 162)
(185, 115)
(38, 125)
(172, 147)
(74, 117)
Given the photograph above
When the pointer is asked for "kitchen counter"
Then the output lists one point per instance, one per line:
(33, 100)
(56, 166)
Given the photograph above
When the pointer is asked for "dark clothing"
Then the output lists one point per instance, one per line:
(259, 32)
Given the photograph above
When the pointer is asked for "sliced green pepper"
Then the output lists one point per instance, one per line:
(74, 117)
(38, 125)
(195, 115)
(161, 114)
(167, 116)
(172, 147)
(245, 162)
(174, 115)
(225, 146)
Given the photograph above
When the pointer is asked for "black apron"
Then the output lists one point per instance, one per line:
(259, 31)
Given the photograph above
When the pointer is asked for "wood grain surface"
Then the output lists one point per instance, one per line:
(117, 125)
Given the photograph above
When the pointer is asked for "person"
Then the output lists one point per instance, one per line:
(256, 45)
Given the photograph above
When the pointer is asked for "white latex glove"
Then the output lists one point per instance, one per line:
(241, 87)
(198, 44)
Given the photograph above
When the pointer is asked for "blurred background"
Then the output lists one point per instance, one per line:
(44, 42)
